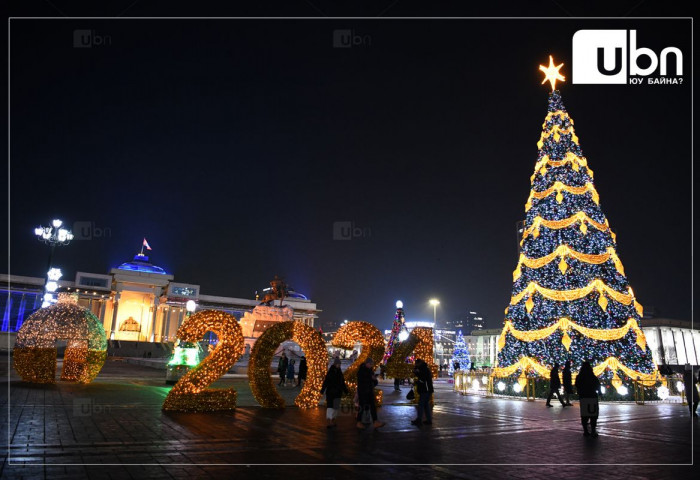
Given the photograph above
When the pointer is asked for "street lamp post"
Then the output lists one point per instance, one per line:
(435, 302)
(53, 236)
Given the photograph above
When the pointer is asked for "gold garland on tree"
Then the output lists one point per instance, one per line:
(564, 251)
(564, 324)
(34, 354)
(190, 393)
(310, 341)
(526, 364)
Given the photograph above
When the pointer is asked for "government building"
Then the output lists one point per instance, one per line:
(136, 301)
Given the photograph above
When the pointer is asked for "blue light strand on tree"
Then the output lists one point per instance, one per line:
(559, 143)
(459, 354)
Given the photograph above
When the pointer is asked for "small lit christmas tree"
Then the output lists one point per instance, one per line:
(459, 354)
(571, 299)
(399, 332)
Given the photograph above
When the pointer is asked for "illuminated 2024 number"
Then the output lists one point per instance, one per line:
(310, 341)
(190, 393)
(372, 343)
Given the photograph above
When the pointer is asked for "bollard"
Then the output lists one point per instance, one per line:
(638, 392)
(530, 389)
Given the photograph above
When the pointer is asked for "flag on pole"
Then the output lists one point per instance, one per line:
(145, 244)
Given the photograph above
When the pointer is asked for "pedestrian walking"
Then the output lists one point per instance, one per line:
(282, 367)
(587, 387)
(424, 387)
(566, 381)
(366, 381)
(554, 384)
(691, 391)
(290, 373)
(303, 369)
(334, 387)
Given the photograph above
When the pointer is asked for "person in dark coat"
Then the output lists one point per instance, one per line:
(566, 381)
(334, 387)
(424, 387)
(282, 367)
(587, 387)
(290, 372)
(303, 369)
(554, 384)
(691, 391)
(366, 381)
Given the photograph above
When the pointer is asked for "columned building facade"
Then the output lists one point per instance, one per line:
(136, 301)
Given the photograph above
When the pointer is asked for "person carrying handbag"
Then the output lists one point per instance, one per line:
(424, 387)
(366, 381)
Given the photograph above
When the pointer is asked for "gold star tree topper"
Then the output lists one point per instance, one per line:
(551, 73)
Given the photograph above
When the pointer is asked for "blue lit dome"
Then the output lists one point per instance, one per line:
(140, 263)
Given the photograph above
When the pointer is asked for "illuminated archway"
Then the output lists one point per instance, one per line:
(35, 352)
(310, 341)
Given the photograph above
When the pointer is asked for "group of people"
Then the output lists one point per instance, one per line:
(285, 369)
(334, 387)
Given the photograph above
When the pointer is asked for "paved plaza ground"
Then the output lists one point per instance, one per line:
(114, 428)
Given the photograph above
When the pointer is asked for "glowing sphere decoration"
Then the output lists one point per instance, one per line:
(517, 388)
(35, 352)
(663, 392)
(622, 390)
(501, 386)
(399, 304)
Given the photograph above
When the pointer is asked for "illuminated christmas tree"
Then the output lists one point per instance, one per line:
(459, 354)
(399, 332)
(571, 299)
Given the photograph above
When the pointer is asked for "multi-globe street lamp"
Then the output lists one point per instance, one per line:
(53, 236)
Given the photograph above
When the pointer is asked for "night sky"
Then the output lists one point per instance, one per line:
(234, 145)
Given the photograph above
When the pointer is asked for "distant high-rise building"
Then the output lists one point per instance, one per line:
(455, 324)
(473, 322)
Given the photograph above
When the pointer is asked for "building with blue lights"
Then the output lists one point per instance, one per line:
(136, 301)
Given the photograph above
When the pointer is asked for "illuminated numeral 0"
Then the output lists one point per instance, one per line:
(310, 341)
